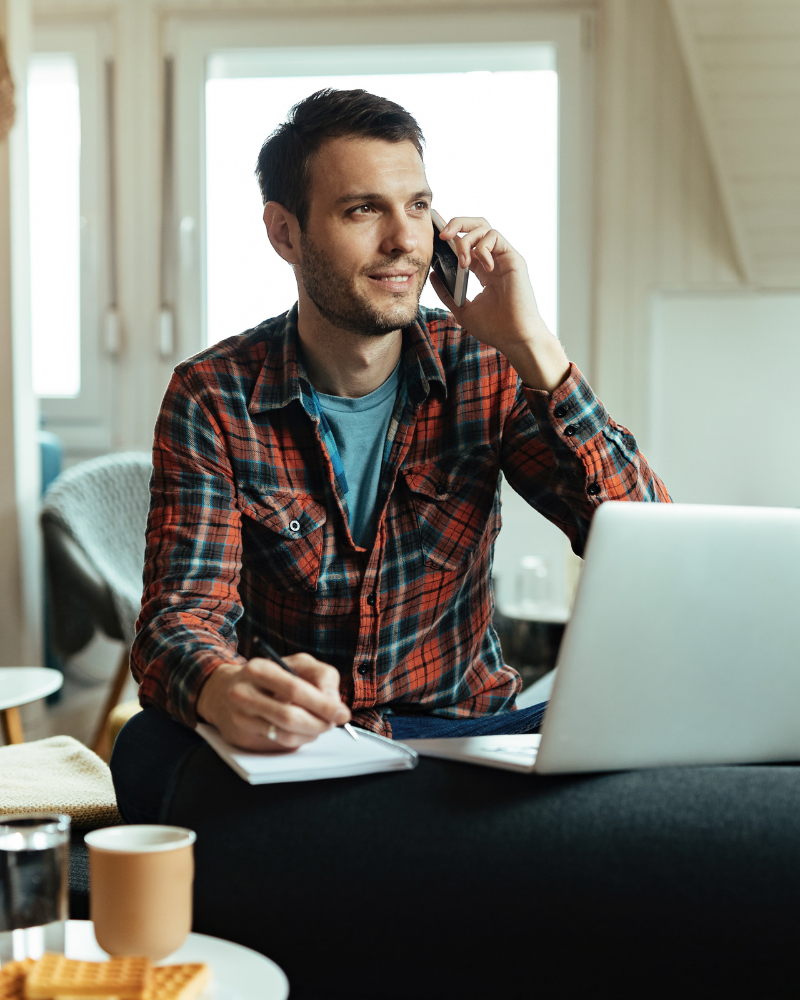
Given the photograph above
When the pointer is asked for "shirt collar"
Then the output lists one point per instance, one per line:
(283, 377)
(423, 366)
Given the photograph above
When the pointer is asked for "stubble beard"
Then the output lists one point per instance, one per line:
(340, 303)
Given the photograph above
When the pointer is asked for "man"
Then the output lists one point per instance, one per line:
(330, 479)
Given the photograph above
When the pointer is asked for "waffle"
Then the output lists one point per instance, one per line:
(12, 979)
(56, 976)
(168, 982)
(178, 982)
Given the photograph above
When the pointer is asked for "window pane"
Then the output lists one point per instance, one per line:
(491, 150)
(54, 138)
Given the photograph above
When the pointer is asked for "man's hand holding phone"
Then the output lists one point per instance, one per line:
(261, 707)
(504, 314)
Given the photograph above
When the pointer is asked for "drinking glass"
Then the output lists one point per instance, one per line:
(34, 868)
(534, 585)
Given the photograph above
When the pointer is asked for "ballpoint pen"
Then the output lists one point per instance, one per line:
(264, 649)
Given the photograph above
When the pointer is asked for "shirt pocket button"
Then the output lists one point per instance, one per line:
(294, 525)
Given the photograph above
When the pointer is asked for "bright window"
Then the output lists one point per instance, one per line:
(489, 114)
(54, 136)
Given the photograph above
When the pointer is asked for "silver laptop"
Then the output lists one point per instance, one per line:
(684, 644)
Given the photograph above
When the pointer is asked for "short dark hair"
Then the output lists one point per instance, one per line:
(284, 161)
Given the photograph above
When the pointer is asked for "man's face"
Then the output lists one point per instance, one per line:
(368, 242)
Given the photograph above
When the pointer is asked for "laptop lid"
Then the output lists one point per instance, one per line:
(684, 643)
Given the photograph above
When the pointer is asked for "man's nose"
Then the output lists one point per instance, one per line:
(400, 235)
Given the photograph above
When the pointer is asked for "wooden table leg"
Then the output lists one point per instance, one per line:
(11, 725)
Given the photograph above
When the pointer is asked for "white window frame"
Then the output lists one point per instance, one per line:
(83, 422)
(191, 42)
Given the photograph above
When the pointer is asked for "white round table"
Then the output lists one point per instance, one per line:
(237, 973)
(20, 686)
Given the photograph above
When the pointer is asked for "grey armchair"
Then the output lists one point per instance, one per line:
(93, 523)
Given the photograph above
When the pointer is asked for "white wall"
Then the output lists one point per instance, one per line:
(20, 578)
(726, 398)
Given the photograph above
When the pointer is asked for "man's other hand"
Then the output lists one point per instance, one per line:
(504, 314)
(262, 707)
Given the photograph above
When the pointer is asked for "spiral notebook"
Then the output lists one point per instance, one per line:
(334, 754)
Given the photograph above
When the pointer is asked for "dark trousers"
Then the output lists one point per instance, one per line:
(146, 762)
(151, 748)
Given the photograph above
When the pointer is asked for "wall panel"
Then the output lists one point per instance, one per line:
(737, 451)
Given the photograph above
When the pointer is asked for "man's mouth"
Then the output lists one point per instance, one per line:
(395, 280)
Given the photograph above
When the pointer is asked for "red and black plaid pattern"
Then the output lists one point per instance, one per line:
(248, 531)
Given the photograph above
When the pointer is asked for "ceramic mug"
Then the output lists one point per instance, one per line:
(141, 888)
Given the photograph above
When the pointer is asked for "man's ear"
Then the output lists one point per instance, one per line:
(283, 231)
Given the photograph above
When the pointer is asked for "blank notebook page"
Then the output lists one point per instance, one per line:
(334, 754)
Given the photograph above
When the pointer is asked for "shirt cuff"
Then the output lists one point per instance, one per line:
(573, 410)
(186, 686)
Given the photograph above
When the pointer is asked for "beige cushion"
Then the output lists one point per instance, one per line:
(58, 774)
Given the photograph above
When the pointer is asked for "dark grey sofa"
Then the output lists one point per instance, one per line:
(459, 881)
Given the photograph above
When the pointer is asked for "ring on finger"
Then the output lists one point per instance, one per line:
(272, 732)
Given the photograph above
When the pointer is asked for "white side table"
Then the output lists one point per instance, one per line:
(237, 972)
(20, 686)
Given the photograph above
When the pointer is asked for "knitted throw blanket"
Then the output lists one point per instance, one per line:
(103, 504)
(60, 775)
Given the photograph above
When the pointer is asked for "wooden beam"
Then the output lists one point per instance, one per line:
(705, 110)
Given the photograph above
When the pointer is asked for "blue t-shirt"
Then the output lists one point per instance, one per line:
(359, 427)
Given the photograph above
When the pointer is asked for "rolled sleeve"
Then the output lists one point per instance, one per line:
(190, 606)
(565, 455)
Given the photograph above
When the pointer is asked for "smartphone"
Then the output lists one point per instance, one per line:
(445, 263)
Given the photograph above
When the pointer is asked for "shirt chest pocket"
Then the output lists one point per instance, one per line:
(282, 537)
(453, 500)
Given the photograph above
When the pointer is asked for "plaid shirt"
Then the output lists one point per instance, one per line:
(248, 528)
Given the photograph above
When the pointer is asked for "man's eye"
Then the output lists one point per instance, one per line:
(421, 205)
(362, 209)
